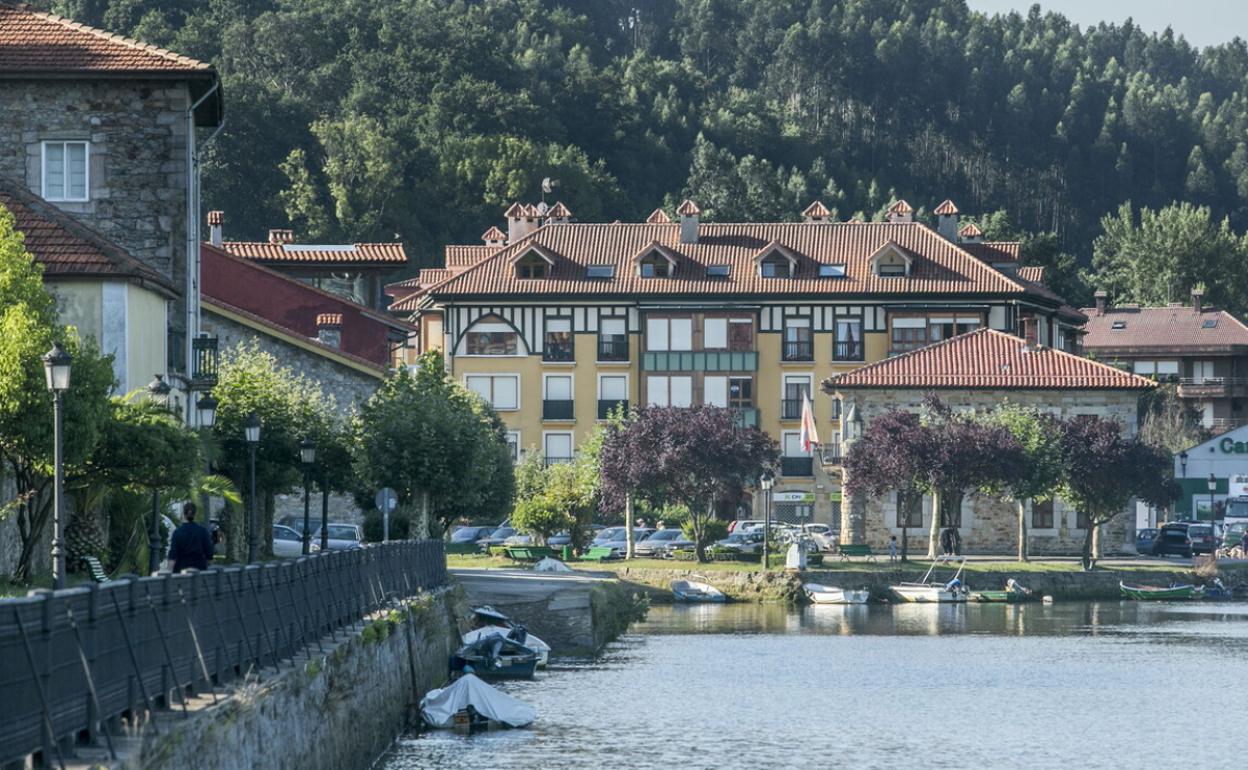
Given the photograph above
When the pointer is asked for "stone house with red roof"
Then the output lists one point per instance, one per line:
(977, 371)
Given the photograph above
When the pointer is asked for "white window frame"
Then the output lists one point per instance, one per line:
(492, 326)
(667, 381)
(43, 170)
(706, 389)
(571, 378)
(722, 338)
(786, 377)
(797, 436)
(513, 439)
(546, 434)
(493, 376)
(653, 325)
(1057, 519)
(613, 376)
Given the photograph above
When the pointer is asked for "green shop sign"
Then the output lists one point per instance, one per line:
(1233, 447)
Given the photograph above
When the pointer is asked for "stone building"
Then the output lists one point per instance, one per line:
(108, 130)
(977, 371)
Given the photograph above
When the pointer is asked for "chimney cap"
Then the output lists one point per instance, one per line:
(216, 218)
(658, 217)
(279, 235)
(515, 211)
(493, 234)
(971, 230)
(900, 207)
(688, 209)
(1100, 294)
(817, 209)
(531, 211)
(328, 319)
(558, 211)
(946, 209)
(1198, 291)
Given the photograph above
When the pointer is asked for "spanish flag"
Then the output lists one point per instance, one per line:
(810, 434)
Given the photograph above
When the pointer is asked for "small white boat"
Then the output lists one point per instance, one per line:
(831, 595)
(530, 640)
(693, 591)
(471, 699)
(928, 592)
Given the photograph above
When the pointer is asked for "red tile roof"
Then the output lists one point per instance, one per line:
(494, 234)
(658, 217)
(1033, 273)
(817, 209)
(901, 207)
(994, 251)
(316, 254)
(971, 230)
(559, 211)
(68, 249)
(688, 209)
(989, 359)
(33, 42)
(1168, 329)
(946, 209)
(467, 256)
(940, 267)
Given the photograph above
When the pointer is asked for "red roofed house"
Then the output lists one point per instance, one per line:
(1202, 348)
(979, 370)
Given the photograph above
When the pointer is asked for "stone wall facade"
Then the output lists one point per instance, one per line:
(990, 525)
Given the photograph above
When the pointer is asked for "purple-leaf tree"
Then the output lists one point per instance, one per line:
(698, 456)
(890, 455)
(1103, 469)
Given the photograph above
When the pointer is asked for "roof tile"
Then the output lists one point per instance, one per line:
(1162, 327)
(292, 253)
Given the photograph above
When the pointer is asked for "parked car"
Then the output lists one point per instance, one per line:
(497, 537)
(822, 536)
(606, 535)
(1183, 538)
(295, 522)
(1144, 540)
(745, 542)
(1202, 538)
(470, 534)
(342, 536)
(288, 543)
(519, 539)
(1234, 534)
(619, 546)
(744, 525)
(661, 543)
(559, 539)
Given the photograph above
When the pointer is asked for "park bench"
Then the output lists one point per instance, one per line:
(847, 550)
(598, 553)
(95, 569)
(463, 548)
(529, 553)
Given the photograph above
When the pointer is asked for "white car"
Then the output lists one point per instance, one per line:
(342, 536)
(288, 543)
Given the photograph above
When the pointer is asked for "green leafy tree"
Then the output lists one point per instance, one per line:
(1039, 474)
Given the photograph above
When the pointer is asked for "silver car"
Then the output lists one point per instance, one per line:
(342, 536)
(288, 543)
(659, 544)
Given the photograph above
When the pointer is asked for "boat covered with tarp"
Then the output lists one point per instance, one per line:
(1157, 593)
(471, 698)
(693, 591)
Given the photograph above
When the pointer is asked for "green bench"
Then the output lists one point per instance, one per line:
(529, 553)
(598, 553)
(95, 569)
(462, 548)
(847, 550)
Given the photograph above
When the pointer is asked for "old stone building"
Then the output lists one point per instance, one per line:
(977, 371)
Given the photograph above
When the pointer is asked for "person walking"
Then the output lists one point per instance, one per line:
(892, 548)
(946, 541)
(191, 544)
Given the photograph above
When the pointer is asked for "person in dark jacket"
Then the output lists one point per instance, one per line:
(191, 544)
(946, 541)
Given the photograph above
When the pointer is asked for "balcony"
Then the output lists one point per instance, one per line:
(1213, 387)
(1222, 425)
(700, 361)
(831, 456)
(796, 467)
(847, 351)
(553, 409)
(791, 408)
(608, 405)
(557, 351)
(549, 461)
(798, 350)
(747, 416)
(204, 359)
(613, 348)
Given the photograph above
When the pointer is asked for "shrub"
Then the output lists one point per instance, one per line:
(400, 526)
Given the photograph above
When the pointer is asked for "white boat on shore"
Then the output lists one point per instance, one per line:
(928, 592)
(819, 594)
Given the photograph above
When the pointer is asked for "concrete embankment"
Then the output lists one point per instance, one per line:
(331, 710)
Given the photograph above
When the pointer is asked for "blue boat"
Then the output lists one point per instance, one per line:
(495, 657)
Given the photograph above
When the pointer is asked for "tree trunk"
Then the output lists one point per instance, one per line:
(1087, 549)
(628, 527)
(34, 509)
(933, 535)
(1096, 540)
(1022, 530)
(265, 525)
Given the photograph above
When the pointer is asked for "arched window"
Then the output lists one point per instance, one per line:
(491, 336)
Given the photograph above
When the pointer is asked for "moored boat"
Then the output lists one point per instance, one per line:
(928, 592)
(530, 640)
(494, 657)
(693, 591)
(472, 698)
(1012, 593)
(820, 594)
(1158, 593)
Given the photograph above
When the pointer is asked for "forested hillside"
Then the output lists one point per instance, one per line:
(422, 119)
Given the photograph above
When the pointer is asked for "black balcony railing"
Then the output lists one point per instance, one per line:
(613, 348)
(791, 408)
(556, 409)
(797, 466)
(557, 351)
(549, 461)
(830, 454)
(799, 350)
(850, 350)
(608, 405)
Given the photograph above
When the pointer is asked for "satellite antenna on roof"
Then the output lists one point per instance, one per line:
(548, 187)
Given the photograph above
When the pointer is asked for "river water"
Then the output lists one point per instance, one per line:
(1096, 685)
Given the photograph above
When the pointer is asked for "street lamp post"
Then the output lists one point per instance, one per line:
(307, 453)
(56, 366)
(158, 391)
(1183, 471)
(764, 482)
(251, 431)
(1213, 519)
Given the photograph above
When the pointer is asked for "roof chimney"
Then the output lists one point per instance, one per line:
(1198, 299)
(519, 223)
(281, 236)
(899, 213)
(329, 329)
(1102, 301)
(494, 238)
(947, 221)
(970, 233)
(816, 213)
(658, 217)
(688, 212)
(558, 214)
(216, 228)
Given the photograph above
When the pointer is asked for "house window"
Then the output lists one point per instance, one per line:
(558, 342)
(908, 334)
(654, 265)
(740, 392)
(942, 328)
(715, 391)
(557, 397)
(775, 267)
(909, 508)
(796, 391)
(612, 394)
(794, 461)
(1081, 520)
(1042, 514)
(798, 344)
(532, 265)
(66, 175)
(557, 448)
(662, 390)
(513, 445)
(848, 344)
(491, 339)
(669, 334)
(715, 334)
(502, 391)
(612, 340)
(1202, 371)
(740, 334)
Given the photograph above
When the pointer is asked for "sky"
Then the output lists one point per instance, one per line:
(1202, 22)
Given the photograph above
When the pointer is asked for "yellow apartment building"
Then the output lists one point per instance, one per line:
(557, 322)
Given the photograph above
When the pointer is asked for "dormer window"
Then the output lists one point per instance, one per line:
(533, 264)
(775, 267)
(890, 262)
(655, 261)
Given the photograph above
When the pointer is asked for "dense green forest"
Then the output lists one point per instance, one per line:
(422, 119)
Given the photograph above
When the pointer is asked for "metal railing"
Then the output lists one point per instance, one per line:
(797, 466)
(608, 405)
(75, 660)
(558, 409)
(613, 348)
(799, 350)
(557, 351)
(847, 351)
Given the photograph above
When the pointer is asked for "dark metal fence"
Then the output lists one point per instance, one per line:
(73, 661)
